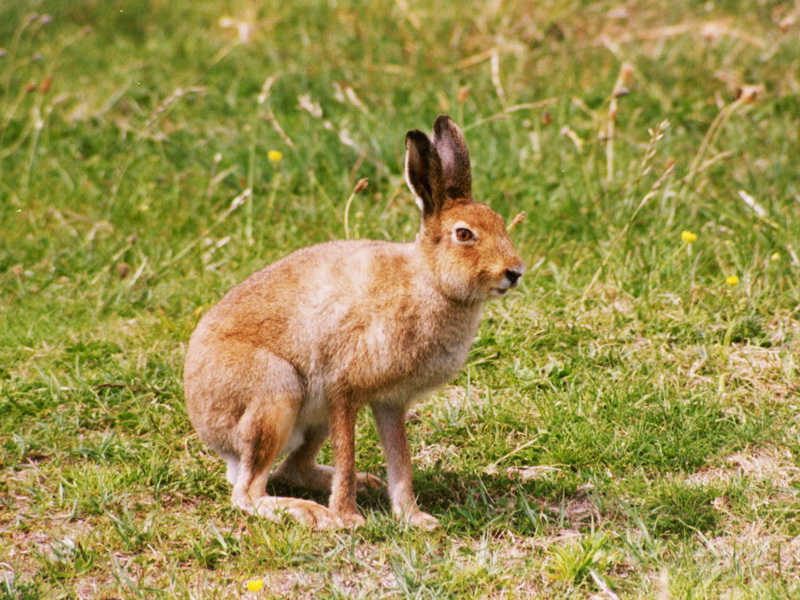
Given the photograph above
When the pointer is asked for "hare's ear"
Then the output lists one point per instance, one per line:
(424, 173)
(452, 149)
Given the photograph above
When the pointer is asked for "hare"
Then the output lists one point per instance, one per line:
(290, 355)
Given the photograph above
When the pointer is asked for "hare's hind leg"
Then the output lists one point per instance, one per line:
(232, 461)
(262, 431)
(302, 470)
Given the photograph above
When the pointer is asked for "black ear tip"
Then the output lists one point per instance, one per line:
(442, 122)
(415, 136)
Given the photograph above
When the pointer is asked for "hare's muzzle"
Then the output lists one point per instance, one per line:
(513, 276)
(510, 280)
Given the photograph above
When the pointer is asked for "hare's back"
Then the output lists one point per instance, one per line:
(307, 294)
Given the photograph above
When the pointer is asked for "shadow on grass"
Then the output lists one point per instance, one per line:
(473, 503)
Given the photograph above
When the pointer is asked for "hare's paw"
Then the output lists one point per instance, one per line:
(368, 481)
(315, 515)
(306, 512)
(422, 520)
(351, 520)
(319, 478)
(316, 478)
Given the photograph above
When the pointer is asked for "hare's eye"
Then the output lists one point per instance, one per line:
(464, 235)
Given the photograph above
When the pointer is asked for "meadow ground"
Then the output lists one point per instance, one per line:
(627, 423)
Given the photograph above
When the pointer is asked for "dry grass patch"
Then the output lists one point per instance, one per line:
(770, 371)
(764, 464)
(430, 455)
(763, 550)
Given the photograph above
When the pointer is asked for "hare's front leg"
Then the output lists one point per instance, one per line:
(391, 422)
(342, 420)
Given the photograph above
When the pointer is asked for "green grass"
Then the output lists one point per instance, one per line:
(627, 422)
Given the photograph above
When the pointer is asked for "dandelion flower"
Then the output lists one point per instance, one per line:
(275, 155)
(688, 237)
(732, 280)
(255, 585)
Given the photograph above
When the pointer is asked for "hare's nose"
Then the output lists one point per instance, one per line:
(513, 275)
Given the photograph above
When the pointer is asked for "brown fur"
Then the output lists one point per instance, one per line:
(292, 353)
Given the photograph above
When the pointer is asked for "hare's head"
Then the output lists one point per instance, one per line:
(464, 242)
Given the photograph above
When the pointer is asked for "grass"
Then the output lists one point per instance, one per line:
(627, 423)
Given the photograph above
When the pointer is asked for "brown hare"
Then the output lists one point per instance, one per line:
(290, 355)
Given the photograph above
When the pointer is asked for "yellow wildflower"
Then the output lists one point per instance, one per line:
(275, 155)
(688, 237)
(255, 585)
(732, 280)
(775, 257)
